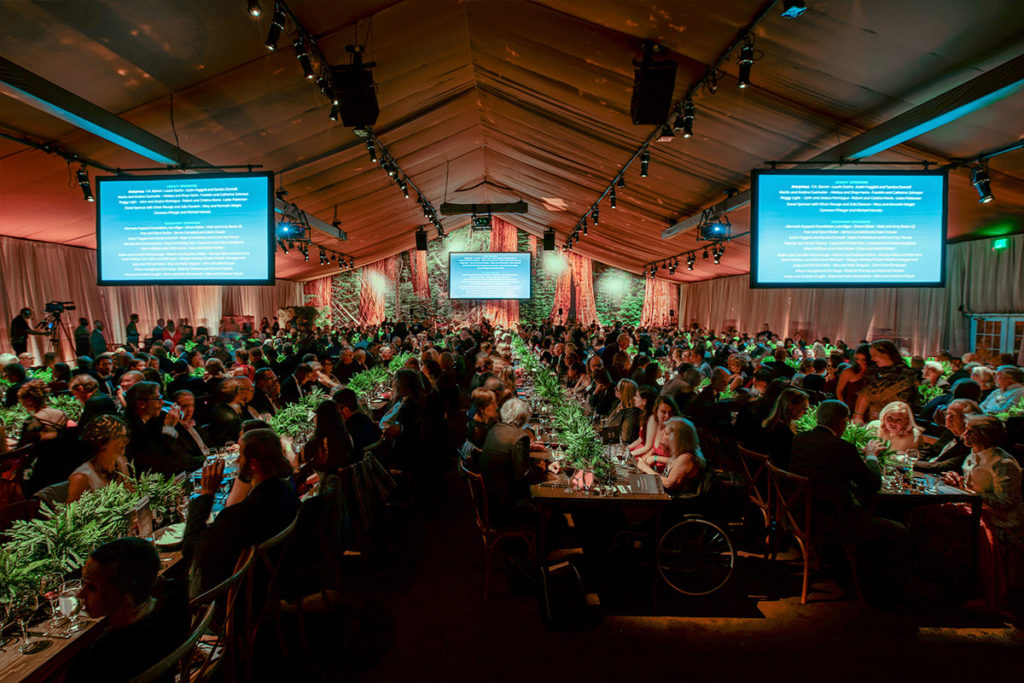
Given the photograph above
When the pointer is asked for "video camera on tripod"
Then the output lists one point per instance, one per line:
(59, 307)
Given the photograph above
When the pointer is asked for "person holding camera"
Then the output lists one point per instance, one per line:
(21, 328)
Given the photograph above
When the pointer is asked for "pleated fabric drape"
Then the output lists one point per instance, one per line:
(32, 273)
(375, 278)
(504, 237)
(925, 320)
(659, 297)
(420, 281)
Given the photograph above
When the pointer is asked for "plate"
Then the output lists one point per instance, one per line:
(169, 537)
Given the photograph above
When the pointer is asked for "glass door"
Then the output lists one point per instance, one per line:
(992, 335)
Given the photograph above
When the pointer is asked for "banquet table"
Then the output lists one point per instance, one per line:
(50, 664)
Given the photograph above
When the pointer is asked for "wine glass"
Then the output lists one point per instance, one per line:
(50, 589)
(71, 606)
(22, 607)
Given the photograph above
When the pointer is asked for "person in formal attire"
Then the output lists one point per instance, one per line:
(361, 428)
(190, 436)
(157, 335)
(664, 409)
(347, 365)
(103, 371)
(94, 402)
(44, 422)
(212, 550)
(21, 329)
(506, 467)
(330, 447)
(265, 393)
(1009, 389)
(684, 463)
(152, 432)
(402, 421)
(779, 428)
(105, 439)
(602, 400)
(891, 380)
(182, 380)
(626, 416)
(131, 331)
(97, 342)
(224, 421)
(118, 582)
(15, 375)
(949, 451)
(81, 335)
(297, 385)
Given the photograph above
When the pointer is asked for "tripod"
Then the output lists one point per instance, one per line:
(55, 324)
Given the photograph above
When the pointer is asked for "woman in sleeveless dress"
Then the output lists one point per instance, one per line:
(106, 437)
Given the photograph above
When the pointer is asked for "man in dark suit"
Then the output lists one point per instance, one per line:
(270, 507)
(948, 452)
(94, 402)
(363, 430)
(225, 419)
(779, 366)
(297, 385)
(184, 381)
(838, 477)
(103, 371)
(506, 466)
(191, 441)
(152, 434)
(266, 392)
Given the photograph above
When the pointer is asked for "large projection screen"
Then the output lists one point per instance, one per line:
(489, 275)
(203, 229)
(848, 228)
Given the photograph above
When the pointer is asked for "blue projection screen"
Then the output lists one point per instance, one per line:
(185, 229)
(489, 275)
(848, 228)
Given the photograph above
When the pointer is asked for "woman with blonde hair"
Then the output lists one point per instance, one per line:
(896, 425)
(685, 461)
(626, 416)
(780, 426)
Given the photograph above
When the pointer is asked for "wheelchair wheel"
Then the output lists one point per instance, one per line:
(696, 557)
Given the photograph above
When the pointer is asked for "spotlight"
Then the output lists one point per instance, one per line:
(684, 123)
(691, 258)
(719, 252)
(326, 89)
(323, 257)
(622, 181)
(390, 167)
(372, 149)
(276, 26)
(979, 178)
(666, 134)
(711, 81)
(254, 8)
(746, 61)
(705, 253)
(82, 176)
(791, 9)
(404, 187)
(290, 246)
(645, 160)
(305, 255)
(302, 55)
(341, 265)
(333, 116)
(596, 214)
(672, 268)
(611, 197)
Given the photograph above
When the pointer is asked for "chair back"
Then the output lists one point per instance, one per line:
(478, 493)
(13, 512)
(14, 463)
(225, 593)
(270, 555)
(757, 473)
(792, 495)
(181, 654)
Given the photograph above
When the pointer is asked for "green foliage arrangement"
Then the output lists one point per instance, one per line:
(296, 420)
(1015, 410)
(928, 392)
(363, 382)
(44, 374)
(68, 404)
(858, 435)
(197, 372)
(59, 541)
(12, 419)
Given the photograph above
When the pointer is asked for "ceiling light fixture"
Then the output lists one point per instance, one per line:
(82, 176)
(302, 54)
(254, 8)
(596, 214)
(645, 161)
(791, 9)
(982, 183)
(746, 61)
(686, 120)
(611, 197)
(276, 26)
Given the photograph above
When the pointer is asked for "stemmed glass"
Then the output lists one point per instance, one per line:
(50, 588)
(22, 608)
(71, 606)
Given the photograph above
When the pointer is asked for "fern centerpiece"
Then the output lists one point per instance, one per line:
(297, 420)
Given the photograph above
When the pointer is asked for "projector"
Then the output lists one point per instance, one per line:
(481, 222)
(791, 9)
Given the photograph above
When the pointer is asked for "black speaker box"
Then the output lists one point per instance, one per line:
(549, 241)
(653, 83)
(357, 96)
(421, 240)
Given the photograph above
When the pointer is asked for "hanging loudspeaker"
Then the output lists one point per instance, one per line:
(421, 240)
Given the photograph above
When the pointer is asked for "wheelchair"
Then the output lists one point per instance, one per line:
(696, 556)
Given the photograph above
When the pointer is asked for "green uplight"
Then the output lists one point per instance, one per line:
(1000, 243)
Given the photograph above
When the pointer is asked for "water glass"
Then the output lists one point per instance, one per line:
(71, 606)
(22, 608)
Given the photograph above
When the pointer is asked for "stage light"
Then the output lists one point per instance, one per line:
(254, 8)
(791, 9)
(323, 257)
(684, 123)
(584, 224)
(705, 253)
(691, 258)
(672, 268)
(596, 214)
(622, 181)
(404, 187)
(334, 115)
(979, 178)
(82, 176)
(326, 89)
(746, 61)
(711, 81)
(645, 161)
(302, 55)
(276, 26)
(372, 149)
(390, 167)
(611, 198)
(666, 134)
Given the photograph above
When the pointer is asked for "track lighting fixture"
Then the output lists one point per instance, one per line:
(672, 268)
(666, 134)
(276, 26)
(335, 114)
(372, 149)
(711, 81)
(254, 8)
(82, 176)
(596, 214)
(705, 253)
(302, 54)
(404, 187)
(691, 258)
(611, 197)
(979, 178)
(791, 9)
(684, 123)
(622, 181)
(645, 160)
(746, 61)
(582, 223)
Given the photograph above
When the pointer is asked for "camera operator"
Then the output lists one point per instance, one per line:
(21, 328)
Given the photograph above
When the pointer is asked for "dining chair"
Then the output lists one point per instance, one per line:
(493, 535)
(793, 511)
(225, 648)
(759, 488)
(181, 654)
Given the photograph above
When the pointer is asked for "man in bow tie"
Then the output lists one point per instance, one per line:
(190, 437)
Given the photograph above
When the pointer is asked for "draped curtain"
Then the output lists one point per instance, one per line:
(317, 293)
(658, 299)
(925, 320)
(32, 273)
(504, 237)
(420, 283)
(373, 289)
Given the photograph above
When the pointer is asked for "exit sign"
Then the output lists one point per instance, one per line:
(1000, 243)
